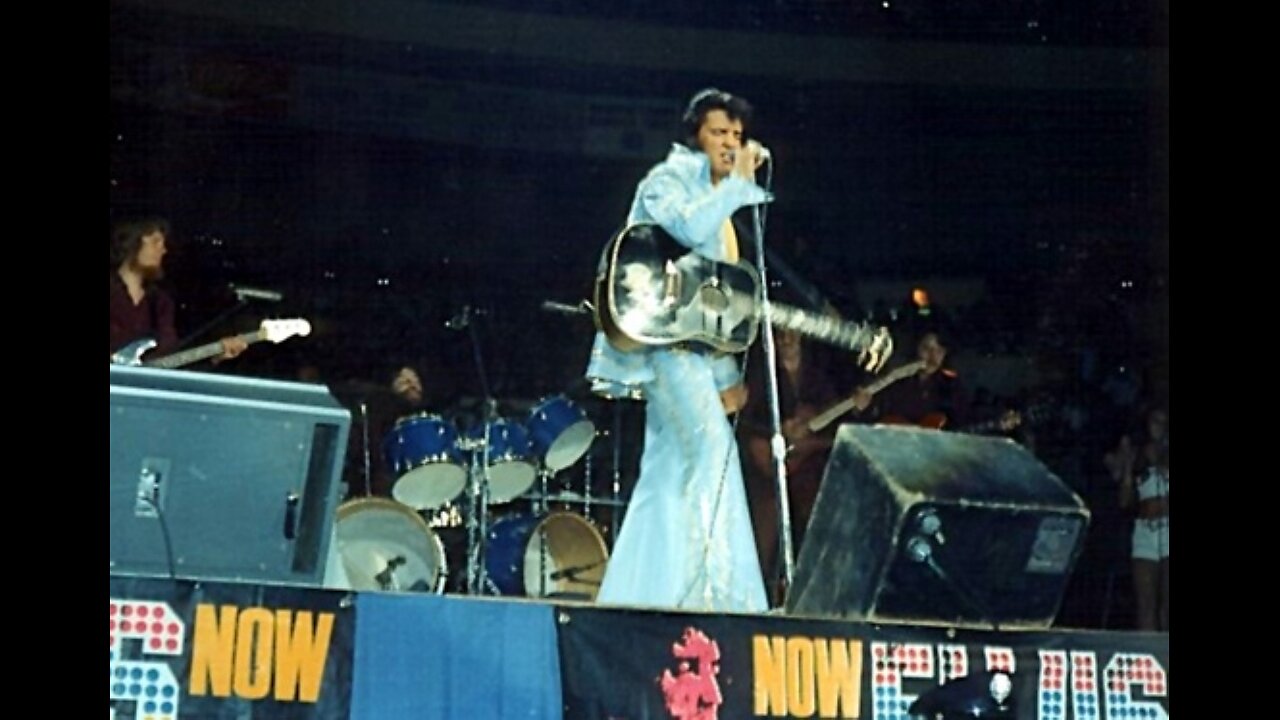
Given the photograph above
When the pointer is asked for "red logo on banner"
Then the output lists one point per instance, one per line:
(693, 693)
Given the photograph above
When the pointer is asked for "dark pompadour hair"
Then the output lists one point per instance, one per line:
(707, 100)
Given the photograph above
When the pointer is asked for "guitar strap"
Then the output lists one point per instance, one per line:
(730, 239)
(743, 234)
(151, 311)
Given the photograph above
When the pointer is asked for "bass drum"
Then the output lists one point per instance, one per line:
(384, 545)
(571, 568)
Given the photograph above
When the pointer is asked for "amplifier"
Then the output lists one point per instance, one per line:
(223, 477)
(928, 526)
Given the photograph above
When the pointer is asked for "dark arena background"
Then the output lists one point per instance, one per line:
(430, 183)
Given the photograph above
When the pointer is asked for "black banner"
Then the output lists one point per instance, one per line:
(633, 665)
(219, 650)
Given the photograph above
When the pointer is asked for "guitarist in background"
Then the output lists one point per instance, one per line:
(686, 541)
(934, 398)
(139, 307)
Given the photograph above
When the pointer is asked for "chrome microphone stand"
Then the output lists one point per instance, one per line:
(777, 444)
(364, 446)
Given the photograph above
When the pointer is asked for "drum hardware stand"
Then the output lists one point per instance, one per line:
(364, 445)
(543, 511)
(478, 580)
(617, 472)
(586, 485)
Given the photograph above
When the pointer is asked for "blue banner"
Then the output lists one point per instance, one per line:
(425, 656)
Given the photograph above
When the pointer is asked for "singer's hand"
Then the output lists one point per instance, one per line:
(747, 159)
(733, 398)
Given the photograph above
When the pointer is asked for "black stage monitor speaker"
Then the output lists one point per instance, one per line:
(223, 477)
(920, 525)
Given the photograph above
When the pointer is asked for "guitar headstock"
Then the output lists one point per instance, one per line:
(280, 330)
(878, 350)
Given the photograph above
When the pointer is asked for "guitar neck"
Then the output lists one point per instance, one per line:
(821, 421)
(841, 333)
(196, 354)
(824, 419)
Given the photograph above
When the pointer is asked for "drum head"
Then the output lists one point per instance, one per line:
(560, 431)
(512, 468)
(573, 565)
(509, 480)
(386, 546)
(571, 445)
(430, 486)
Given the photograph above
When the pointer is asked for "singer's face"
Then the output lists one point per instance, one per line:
(719, 137)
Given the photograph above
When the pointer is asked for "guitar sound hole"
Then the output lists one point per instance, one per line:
(713, 298)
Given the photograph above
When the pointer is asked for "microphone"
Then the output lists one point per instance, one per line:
(563, 309)
(573, 570)
(761, 151)
(386, 578)
(460, 319)
(244, 291)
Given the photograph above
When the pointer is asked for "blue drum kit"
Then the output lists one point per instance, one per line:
(447, 477)
(431, 458)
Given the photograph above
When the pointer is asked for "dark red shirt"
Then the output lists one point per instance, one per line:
(151, 318)
(920, 400)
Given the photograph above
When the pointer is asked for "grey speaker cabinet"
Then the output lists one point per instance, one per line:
(223, 477)
(936, 527)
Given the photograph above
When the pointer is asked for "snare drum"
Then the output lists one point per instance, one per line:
(422, 450)
(512, 467)
(386, 546)
(573, 564)
(560, 431)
